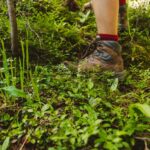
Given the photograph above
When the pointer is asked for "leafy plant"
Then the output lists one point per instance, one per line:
(49, 106)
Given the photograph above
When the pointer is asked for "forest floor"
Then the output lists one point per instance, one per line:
(46, 106)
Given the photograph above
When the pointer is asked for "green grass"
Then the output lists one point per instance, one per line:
(48, 107)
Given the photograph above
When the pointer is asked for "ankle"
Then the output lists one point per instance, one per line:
(108, 37)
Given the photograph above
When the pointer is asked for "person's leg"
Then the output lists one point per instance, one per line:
(106, 13)
(122, 13)
(106, 54)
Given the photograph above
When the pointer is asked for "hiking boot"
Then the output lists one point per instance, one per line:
(102, 55)
(123, 18)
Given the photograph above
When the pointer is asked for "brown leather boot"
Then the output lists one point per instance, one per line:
(102, 55)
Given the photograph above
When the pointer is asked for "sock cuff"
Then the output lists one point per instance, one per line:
(108, 37)
(122, 2)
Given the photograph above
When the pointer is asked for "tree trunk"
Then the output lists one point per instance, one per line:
(13, 26)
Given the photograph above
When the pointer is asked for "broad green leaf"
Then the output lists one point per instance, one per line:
(114, 85)
(84, 17)
(13, 91)
(90, 85)
(51, 149)
(45, 107)
(143, 108)
(6, 144)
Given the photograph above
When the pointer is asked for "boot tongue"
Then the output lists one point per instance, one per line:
(111, 44)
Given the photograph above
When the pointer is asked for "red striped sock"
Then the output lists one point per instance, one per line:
(108, 37)
(122, 2)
